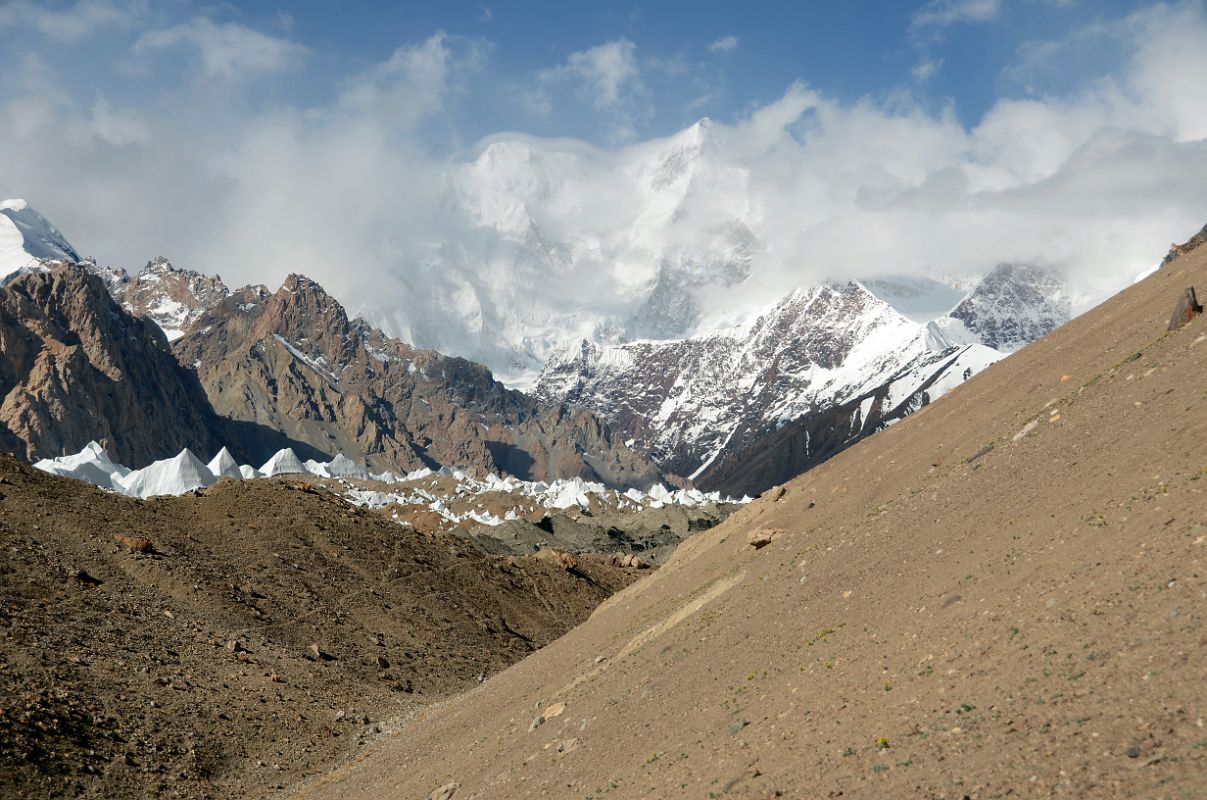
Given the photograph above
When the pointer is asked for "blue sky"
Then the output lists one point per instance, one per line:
(343, 140)
(689, 59)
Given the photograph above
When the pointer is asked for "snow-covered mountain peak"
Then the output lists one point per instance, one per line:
(685, 399)
(1013, 305)
(171, 297)
(27, 237)
(679, 157)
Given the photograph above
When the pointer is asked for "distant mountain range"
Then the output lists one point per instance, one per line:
(736, 409)
(88, 357)
(816, 372)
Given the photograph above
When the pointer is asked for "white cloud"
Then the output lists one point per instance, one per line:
(725, 44)
(227, 50)
(412, 85)
(84, 18)
(1169, 66)
(1098, 178)
(606, 71)
(118, 127)
(926, 68)
(607, 76)
(943, 13)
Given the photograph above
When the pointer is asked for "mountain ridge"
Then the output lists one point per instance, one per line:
(697, 401)
(293, 361)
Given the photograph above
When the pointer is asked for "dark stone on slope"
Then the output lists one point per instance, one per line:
(1187, 309)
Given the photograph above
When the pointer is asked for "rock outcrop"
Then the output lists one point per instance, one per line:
(1193, 242)
(76, 367)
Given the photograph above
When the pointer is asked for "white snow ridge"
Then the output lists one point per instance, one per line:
(26, 237)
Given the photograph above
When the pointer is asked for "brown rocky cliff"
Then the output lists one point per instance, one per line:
(75, 367)
(294, 361)
(171, 298)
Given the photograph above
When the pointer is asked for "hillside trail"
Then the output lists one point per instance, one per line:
(1001, 596)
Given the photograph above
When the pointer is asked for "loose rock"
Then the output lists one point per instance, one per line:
(1187, 309)
(762, 537)
(135, 544)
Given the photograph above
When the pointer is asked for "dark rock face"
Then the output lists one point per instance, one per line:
(74, 366)
(1176, 250)
(760, 458)
(293, 361)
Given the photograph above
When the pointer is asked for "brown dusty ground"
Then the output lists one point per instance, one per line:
(187, 671)
(1002, 596)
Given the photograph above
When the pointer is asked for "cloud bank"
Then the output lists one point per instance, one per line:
(350, 189)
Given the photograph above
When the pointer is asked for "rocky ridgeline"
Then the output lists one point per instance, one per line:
(293, 361)
(283, 369)
(1190, 244)
(171, 298)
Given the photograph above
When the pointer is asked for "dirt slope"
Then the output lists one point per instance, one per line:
(1002, 596)
(187, 670)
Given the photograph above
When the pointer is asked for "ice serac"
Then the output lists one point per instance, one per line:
(90, 465)
(27, 238)
(171, 298)
(1011, 307)
(224, 465)
(343, 467)
(283, 462)
(182, 473)
(293, 361)
(77, 368)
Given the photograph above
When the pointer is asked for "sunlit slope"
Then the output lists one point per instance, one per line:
(1001, 595)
